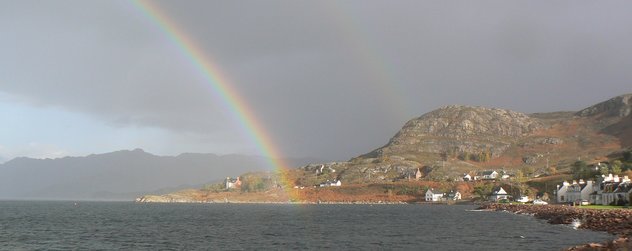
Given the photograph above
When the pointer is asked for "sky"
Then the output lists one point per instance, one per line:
(324, 79)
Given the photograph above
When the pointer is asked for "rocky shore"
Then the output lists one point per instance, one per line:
(615, 221)
(182, 199)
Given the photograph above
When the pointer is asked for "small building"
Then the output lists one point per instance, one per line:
(418, 174)
(328, 183)
(336, 183)
(230, 183)
(489, 175)
(560, 192)
(579, 190)
(467, 177)
(434, 195)
(453, 195)
(498, 194)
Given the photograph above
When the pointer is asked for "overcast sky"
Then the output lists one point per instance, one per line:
(327, 79)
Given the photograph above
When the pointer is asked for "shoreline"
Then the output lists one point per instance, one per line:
(617, 222)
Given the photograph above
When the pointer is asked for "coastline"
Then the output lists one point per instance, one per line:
(617, 222)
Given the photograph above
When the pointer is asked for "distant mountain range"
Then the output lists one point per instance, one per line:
(121, 175)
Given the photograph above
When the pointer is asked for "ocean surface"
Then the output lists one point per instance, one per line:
(28, 225)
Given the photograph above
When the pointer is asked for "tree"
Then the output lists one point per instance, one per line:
(604, 170)
(465, 156)
(520, 176)
(528, 170)
(252, 183)
(581, 171)
(627, 156)
(483, 190)
(627, 166)
(616, 167)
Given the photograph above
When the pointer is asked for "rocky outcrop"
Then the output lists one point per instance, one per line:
(457, 121)
(167, 198)
(620, 106)
(461, 129)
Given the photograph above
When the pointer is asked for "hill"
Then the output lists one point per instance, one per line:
(443, 145)
(453, 140)
(121, 175)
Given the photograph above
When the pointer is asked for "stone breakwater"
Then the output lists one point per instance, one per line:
(614, 221)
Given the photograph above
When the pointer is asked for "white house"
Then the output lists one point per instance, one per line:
(610, 189)
(579, 190)
(453, 195)
(498, 194)
(336, 183)
(232, 183)
(489, 175)
(467, 177)
(418, 174)
(560, 193)
(614, 190)
(434, 195)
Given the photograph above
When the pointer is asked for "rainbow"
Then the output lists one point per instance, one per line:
(220, 85)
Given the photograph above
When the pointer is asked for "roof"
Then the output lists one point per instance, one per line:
(499, 191)
(435, 191)
(581, 186)
(623, 188)
(487, 172)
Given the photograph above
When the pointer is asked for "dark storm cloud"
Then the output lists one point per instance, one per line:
(326, 78)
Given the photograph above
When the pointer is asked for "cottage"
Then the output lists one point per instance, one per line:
(489, 175)
(418, 174)
(614, 190)
(579, 190)
(434, 195)
(328, 183)
(498, 194)
(611, 189)
(336, 183)
(230, 183)
(560, 192)
(467, 177)
(453, 195)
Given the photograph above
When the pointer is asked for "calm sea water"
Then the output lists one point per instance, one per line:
(121, 225)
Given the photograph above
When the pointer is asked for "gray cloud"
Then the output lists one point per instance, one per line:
(328, 78)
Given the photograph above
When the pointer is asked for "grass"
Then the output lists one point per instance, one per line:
(602, 207)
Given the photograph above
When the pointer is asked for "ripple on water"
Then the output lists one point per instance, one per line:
(115, 225)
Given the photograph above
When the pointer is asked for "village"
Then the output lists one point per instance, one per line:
(502, 186)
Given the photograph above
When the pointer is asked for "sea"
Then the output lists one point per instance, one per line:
(67, 225)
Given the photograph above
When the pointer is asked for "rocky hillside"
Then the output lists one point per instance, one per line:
(459, 129)
(453, 140)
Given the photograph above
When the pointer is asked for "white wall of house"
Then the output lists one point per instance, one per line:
(561, 195)
(432, 196)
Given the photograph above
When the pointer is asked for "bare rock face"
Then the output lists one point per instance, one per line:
(462, 129)
(463, 121)
(620, 106)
